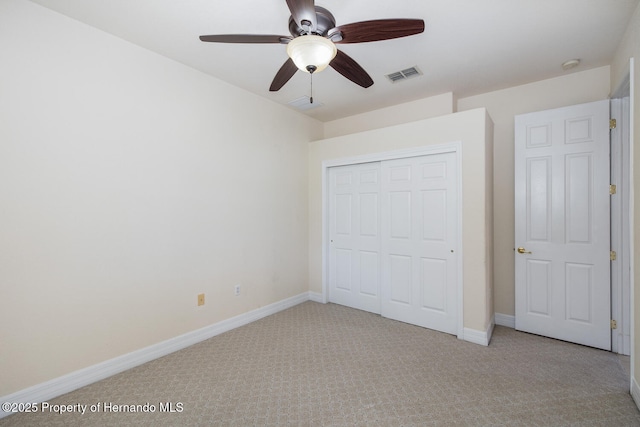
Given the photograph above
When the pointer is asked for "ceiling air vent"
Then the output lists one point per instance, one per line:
(405, 74)
(304, 103)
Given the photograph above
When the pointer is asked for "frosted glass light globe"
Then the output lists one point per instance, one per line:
(311, 50)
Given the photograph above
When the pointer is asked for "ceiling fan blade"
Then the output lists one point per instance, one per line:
(246, 38)
(303, 10)
(349, 68)
(379, 29)
(283, 75)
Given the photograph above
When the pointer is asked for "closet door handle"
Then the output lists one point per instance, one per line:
(522, 250)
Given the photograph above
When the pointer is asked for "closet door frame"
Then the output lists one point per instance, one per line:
(451, 147)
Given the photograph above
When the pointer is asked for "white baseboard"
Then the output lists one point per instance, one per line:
(317, 297)
(505, 320)
(74, 380)
(635, 392)
(479, 337)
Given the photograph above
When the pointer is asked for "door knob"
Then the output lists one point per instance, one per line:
(522, 250)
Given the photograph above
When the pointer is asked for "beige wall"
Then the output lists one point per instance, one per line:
(472, 128)
(130, 183)
(503, 105)
(404, 113)
(630, 48)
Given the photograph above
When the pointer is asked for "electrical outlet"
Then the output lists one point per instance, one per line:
(236, 290)
(200, 299)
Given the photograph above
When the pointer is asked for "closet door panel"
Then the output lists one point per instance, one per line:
(419, 227)
(354, 233)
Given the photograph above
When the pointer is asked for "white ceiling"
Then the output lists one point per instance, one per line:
(468, 47)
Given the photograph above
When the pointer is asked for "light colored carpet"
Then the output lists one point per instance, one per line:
(328, 365)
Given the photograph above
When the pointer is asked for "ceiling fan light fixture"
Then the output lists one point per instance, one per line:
(310, 51)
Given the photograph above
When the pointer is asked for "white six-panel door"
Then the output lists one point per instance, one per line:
(562, 224)
(354, 231)
(419, 238)
(393, 239)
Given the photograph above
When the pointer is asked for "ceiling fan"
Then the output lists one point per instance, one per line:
(311, 46)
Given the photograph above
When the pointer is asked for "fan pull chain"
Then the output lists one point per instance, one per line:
(311, 69)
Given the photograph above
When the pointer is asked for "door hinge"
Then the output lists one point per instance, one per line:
(612, 124)
(612, 189)
(613, 255)
(614, 324)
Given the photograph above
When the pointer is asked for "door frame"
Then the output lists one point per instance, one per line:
(623, 111)
(620, 220)
(451, 147)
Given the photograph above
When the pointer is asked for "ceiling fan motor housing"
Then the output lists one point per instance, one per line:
(325, 20)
